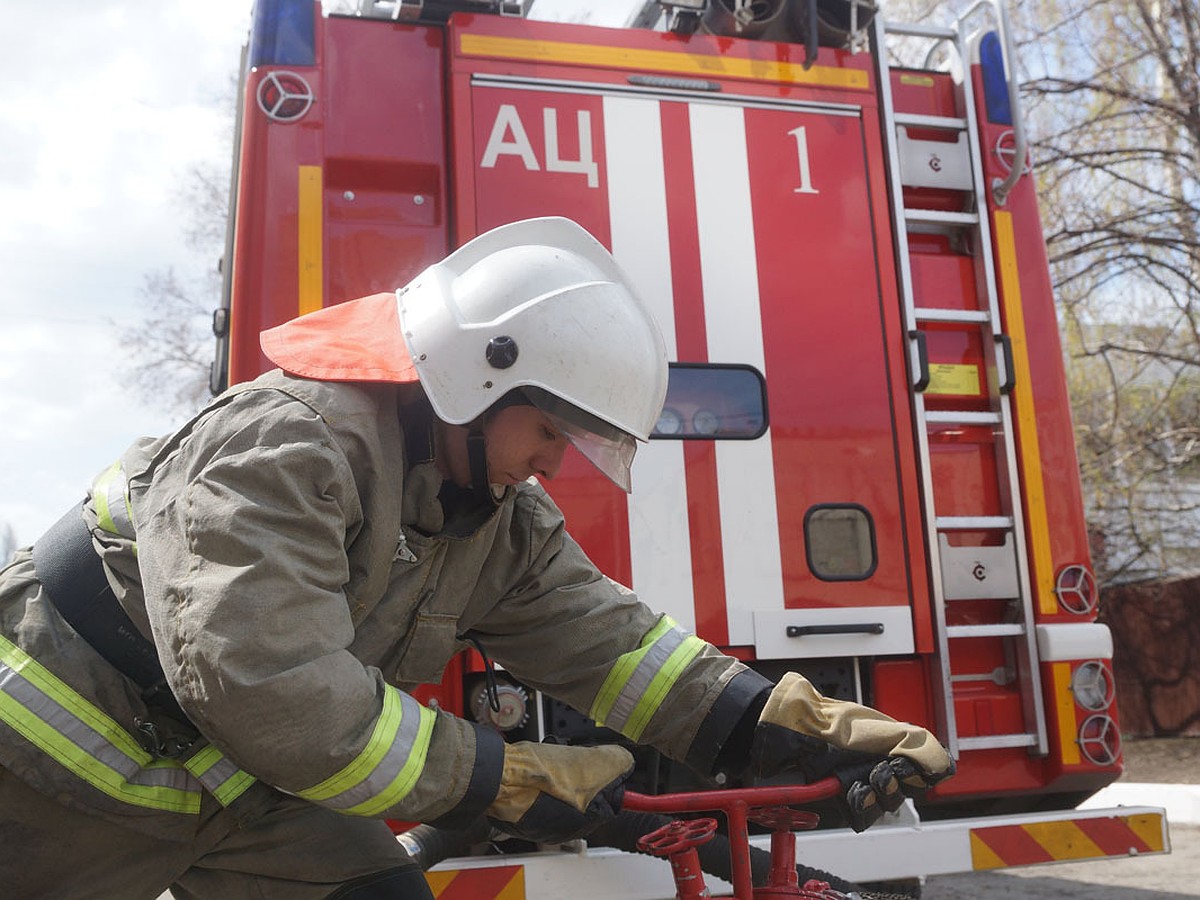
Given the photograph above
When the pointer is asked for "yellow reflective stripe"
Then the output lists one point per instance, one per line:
(225, 781)
(661, 685)
(387, 768)
(623, 669)
(406, 779)
(310, 236)
(201, 762)
(100, 499)
(1064, 707)
(1029, 447)
(382, 736)
(110, 496)
(640, 680)
(699, 64)
(62, 693)
(87, 742)
(233, 787)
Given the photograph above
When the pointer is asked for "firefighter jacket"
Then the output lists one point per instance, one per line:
(299, 576)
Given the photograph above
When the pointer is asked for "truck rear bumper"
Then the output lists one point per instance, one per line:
(902, 847)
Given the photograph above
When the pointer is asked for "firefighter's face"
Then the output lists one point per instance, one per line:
(521, 442)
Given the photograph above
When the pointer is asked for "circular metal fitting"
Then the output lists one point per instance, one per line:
(1093, 686)
(1100, 739)
(1076, 590)
(284, 96)
(501, 352)
(513, 711)
(1006, 153)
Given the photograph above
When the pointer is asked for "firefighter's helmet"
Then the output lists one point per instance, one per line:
(542, 307)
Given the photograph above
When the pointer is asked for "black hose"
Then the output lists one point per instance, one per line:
(428, 845)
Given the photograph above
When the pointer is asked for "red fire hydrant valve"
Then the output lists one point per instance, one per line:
(678, 842)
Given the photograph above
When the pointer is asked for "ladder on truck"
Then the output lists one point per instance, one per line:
(1004, 555)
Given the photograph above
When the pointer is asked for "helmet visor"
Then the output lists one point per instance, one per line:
(605, 446)
(613, 457)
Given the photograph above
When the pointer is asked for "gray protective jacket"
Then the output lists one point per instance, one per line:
(297, 576)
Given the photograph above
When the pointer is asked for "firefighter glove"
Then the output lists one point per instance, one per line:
(554, 792)
(879, 760)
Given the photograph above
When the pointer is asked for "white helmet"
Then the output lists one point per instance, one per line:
(540, 305)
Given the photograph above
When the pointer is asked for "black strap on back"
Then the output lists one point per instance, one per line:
(70, 570)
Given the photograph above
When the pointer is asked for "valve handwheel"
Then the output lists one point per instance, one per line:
(677, 836)
(783, 818)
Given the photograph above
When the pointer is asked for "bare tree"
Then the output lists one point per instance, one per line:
(1113, 92)
(172, 343)
(1112, 102)
(174, 347)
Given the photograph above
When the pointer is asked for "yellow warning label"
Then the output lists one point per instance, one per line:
(953, 378)
(917, 80)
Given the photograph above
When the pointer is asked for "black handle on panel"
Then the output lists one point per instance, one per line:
(1010, 376)
(848, 628)
(922, 381)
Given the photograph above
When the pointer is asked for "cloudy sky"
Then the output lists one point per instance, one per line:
(105, 106)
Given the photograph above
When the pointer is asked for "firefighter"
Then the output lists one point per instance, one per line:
(205, 669)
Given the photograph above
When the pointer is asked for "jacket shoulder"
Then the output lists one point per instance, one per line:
(336, 398)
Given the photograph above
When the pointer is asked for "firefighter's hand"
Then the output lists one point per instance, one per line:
(871, 787)
(553, 792)
(879, 760)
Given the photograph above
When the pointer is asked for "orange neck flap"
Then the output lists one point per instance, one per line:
(358, 340)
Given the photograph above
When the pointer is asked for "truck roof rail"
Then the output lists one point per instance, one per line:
(436, 10)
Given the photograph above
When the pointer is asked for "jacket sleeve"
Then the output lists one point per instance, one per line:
(566, 629)
(242, 533)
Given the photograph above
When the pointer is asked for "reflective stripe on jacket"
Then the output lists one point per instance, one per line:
(96, 761)
(641, 679)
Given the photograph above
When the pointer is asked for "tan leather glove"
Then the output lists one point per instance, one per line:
(879, 760)
(555, 792)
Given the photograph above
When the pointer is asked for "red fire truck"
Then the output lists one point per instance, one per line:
(865, 470)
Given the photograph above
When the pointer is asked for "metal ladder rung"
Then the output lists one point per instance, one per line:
(938, 217)
(972, 523)
(953, 316)
(962, 417)
(978, 631)
(997, 741)
(919, 120)
(912, 29)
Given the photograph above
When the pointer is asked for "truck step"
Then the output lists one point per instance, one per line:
(962, 417)
(918, 120)
(953, 316)
(916, 216)
(1013, 629)
(972, 523)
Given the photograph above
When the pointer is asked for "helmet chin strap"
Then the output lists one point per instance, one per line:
(477, 458)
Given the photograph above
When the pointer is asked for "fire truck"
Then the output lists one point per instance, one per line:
(865, 469)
